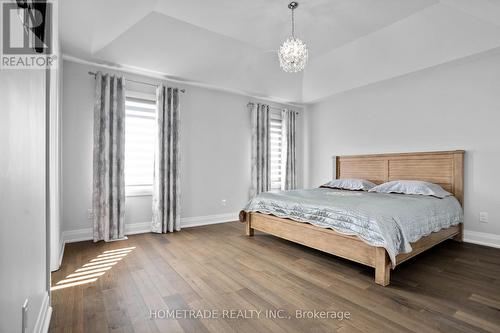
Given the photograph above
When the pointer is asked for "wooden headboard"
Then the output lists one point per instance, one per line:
(445, 168)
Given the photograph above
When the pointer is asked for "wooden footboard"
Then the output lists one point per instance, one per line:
(332, 242)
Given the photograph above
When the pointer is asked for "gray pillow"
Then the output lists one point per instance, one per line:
(350, 184)
(411, 187)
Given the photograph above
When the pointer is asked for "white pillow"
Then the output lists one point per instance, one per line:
(350, 184)
(411, 187)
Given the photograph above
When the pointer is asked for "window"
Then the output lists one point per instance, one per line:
(276, 148)
(140, 125)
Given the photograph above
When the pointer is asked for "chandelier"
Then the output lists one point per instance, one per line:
(293, 53)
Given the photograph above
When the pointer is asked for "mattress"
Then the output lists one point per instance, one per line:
(392, 221)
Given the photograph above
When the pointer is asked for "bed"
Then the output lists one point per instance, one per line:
(304, 217)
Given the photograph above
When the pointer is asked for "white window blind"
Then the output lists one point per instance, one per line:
(276, 147)
(140, 125)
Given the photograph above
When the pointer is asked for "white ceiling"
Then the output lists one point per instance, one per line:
(433, 36)
(231, 44)
(324, 24)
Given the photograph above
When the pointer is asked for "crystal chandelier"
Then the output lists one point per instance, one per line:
(293, 53)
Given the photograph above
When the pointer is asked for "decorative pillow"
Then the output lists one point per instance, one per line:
(412, 187)
(350, 184)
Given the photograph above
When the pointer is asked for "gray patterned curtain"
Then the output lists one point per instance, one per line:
(166, 186)
(289, 177)
(108, 199)
(260, 149)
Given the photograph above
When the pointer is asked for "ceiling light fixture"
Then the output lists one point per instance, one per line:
(293, 53)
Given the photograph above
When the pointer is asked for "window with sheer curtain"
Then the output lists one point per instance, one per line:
(275, 145)
(140, 125)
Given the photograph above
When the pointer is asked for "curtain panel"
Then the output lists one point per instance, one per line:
(289, 175)
(166, 184)
(260, 149)
(108, 197)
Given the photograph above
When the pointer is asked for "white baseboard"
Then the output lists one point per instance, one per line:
(61, 254)
(43, 320)
(482, 238)
(78, 235)
(188, 222)
(137, 228)
(71, 236)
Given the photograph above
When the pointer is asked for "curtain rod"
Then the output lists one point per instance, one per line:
(271, 107)
(140, 82)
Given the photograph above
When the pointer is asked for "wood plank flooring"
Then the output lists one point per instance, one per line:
(453, 287)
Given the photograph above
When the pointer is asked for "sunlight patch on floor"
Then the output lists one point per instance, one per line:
(93, 269)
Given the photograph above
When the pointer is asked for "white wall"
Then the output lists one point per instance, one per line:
(215, 151)
(22, 197)
(453, 106)
(55, 136)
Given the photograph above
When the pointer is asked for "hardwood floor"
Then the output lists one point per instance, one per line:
(453, 287)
